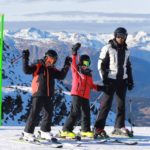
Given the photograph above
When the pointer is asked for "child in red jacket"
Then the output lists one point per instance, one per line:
(82, 83)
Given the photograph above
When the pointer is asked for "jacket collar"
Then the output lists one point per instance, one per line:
(87, 71)
(114, 45)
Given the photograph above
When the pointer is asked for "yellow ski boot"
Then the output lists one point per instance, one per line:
(88, 134)
(67, 134)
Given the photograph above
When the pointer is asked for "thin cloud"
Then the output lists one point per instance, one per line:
(84, 13)
(89, 17)
(20, 1)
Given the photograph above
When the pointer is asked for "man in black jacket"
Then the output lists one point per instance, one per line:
(115, 70)
(44, 73)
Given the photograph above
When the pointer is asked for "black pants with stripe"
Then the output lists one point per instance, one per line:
(40, 103)
(79, 107)
(120, 88)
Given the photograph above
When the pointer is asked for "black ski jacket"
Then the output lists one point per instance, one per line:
(114, 62)
(43, 77)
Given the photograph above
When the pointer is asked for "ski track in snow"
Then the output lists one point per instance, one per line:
(8, 134)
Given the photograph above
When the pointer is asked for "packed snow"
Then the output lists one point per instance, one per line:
(9, 140)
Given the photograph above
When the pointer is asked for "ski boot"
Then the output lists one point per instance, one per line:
(28, 137)
(122, 132)
(100, 133)
(45, 135)
(88, 134)
(67, 134)
(48, 137)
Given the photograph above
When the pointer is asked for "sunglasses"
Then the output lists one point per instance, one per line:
(86, 63)
(122, 36)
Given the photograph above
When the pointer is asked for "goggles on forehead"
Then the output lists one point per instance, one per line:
(86, 63)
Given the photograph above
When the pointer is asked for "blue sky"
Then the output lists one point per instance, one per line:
(77, 15)
(33, 10)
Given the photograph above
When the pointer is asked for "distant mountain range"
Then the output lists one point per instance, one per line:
(16, 100)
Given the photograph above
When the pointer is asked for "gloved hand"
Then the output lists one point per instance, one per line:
(68, 61)
(75, 48)
(102, 88)
(25, 54)
(109, 85)
(130, 86)
(106, 81)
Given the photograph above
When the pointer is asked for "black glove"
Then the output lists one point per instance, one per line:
(68, 61)
(130, 86)
(102, 88)
(106, 81)
(25, 54)
(109, 85)
(75, 48)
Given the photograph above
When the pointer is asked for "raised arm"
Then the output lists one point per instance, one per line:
(25, 60)
(63, 72)
(75, 48)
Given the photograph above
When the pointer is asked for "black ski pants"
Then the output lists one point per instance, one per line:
(79, 107)
(120, 88)
(39, 103)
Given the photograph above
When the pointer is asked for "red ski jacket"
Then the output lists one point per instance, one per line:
(81, 83)
(43, 77)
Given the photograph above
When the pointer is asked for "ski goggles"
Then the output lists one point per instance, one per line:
(52, 60)
(86, 63)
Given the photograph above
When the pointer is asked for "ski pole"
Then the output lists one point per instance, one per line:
(64, 92)
(12, 62)
(16, 59)
(77, 71)
(99, 97)
(130, 112)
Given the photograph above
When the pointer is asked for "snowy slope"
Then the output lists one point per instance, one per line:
(9, 135)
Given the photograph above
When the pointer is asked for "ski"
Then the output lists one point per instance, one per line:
(92, 141)
(76, 138)
(71, 145)
(52, 143)
(126, 142)
(98, 141)
(41, 143)
(105, 141)
(57, 144)
(21, 140)
(54, 140)
(109, 140)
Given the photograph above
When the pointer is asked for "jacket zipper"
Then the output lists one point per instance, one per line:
(48, 89)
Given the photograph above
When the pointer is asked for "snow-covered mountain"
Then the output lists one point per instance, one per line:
(17, 91)
(16, 100)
